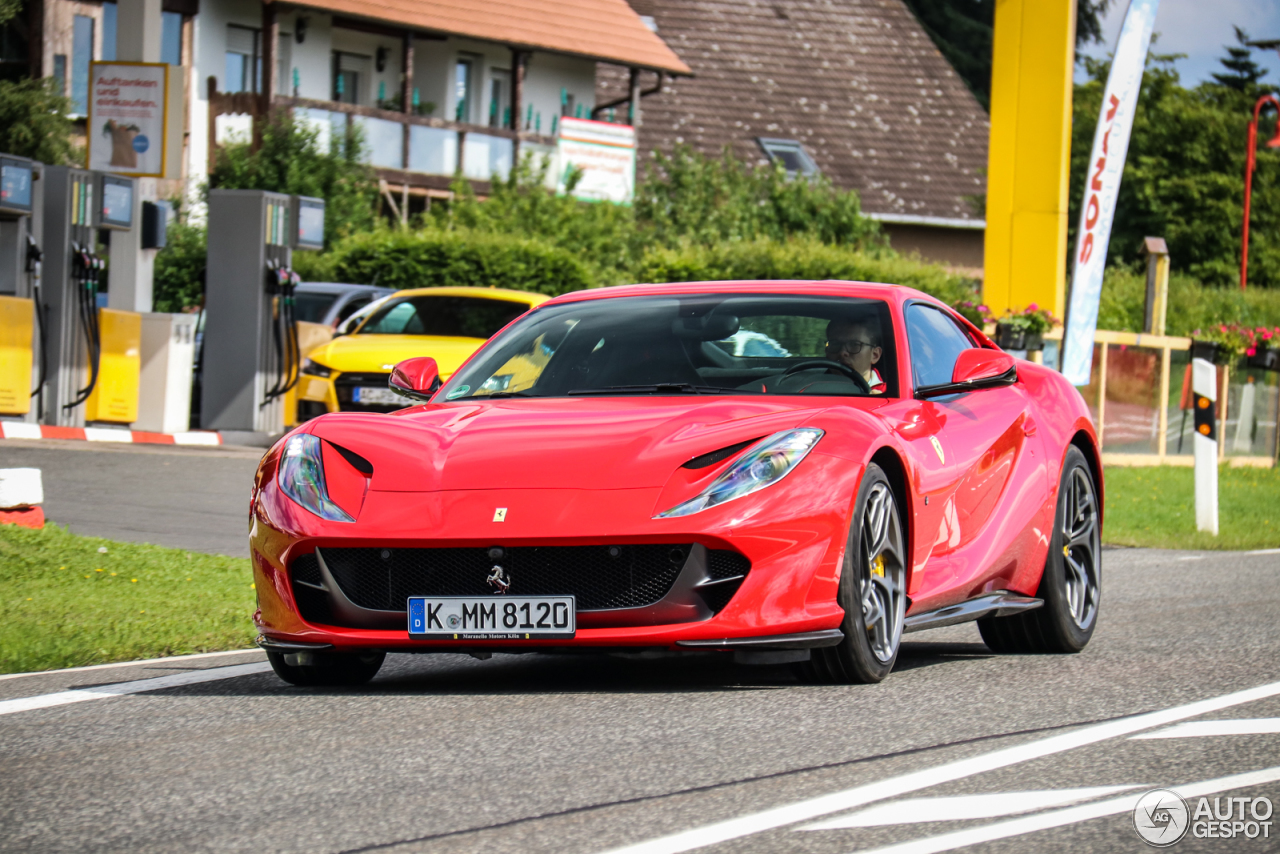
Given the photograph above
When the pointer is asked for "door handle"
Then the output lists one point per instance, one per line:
(1029, 427)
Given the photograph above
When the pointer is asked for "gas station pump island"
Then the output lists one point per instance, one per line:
(64, 359)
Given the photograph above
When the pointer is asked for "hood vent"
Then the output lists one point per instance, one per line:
(716, 456)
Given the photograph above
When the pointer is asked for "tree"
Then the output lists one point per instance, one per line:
(963, 31)
(1242, 74)
(34, 122)
(1183, 177)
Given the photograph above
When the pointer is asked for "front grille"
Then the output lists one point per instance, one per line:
(639, 575)
(344, 384)
(634, 576)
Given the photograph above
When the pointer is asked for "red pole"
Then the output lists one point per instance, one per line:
(1250, 161)
(1248, 193)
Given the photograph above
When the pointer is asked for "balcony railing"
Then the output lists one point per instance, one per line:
(404, 148)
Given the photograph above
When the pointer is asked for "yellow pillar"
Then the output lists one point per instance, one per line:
(1030, 154)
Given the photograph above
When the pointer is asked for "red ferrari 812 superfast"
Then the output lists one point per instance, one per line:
(793, 472)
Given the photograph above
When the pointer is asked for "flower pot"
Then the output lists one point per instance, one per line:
(1210, 351)
(1010, 337)
(1033, 341)
(1266, 359)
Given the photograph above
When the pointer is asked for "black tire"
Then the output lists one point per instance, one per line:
(872, 584)
(1071, 586)
(328, 668)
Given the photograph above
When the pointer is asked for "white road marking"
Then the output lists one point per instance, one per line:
(776, 817)
(116, 664)
(1200, 729)
(963, 807)
(1072, 815)
(1264, 552)
(61, 698)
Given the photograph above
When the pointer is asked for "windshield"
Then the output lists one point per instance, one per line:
(312, 307)
(462, 317)
(694, 344)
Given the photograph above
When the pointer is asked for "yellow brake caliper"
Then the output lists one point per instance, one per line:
(877, 566)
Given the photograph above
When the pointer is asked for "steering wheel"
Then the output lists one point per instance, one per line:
(858, 379)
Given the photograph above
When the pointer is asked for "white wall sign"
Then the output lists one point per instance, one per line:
(606, 154)
(1102, 185)
(128, 118)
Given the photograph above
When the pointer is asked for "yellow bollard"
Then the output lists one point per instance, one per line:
(17, 320)
(115, 397)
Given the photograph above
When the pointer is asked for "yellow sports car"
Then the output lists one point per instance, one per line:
(448, 324)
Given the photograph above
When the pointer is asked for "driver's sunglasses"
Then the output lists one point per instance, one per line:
(853, 345)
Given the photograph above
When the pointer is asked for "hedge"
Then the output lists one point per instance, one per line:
(800, 259)
(1192, 305)
(433, 258)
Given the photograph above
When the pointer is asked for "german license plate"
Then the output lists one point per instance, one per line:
(491, 617)
(376, 396)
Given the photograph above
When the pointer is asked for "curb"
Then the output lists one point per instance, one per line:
(23, 430)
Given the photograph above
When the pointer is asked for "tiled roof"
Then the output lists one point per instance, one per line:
(605, 30)
(858, 82)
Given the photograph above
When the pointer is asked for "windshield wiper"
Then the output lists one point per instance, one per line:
(501, 394)
(678, 388)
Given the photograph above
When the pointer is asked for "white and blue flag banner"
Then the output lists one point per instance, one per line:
(1102, 185)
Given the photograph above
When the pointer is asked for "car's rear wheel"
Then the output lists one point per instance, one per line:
(326, 668)
(872, 591)
(1071, 586)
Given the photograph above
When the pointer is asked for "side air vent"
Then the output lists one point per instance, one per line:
(309, 592)
(727, 571)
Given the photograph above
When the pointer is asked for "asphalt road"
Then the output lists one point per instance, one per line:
(194, 498)
(590, 754)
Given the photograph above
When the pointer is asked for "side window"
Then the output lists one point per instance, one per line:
(351, 308)
(936, 342)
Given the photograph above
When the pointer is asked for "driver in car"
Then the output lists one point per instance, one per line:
(856, 343)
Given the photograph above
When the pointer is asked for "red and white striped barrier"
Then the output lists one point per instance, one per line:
(22, 430)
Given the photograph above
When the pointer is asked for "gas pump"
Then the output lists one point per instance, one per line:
(21, 332)
(93, 351)
(251, 359)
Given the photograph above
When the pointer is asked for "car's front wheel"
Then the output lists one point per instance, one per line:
(326, 668)
(873, 589)
(1071, 586)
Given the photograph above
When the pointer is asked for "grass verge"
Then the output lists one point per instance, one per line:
(67, 601)
(1156, 507)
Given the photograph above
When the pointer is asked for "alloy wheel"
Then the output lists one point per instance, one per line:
(883, 574)
(1080, 546)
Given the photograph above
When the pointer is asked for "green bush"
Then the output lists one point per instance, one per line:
(178, 266)
(1191, 305)
(602, 236)
(34, 123)
(433, 258)
(688, 198)
(800, 259)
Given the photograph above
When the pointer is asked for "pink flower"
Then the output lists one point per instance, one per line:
(1031, 308)
(1251, 351)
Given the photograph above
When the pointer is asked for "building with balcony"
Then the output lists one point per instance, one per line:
(435, 87)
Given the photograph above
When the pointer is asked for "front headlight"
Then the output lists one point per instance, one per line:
(301, 477)
(315, 369)
(764, 464)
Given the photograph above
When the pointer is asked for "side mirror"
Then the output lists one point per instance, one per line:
(975, 365)
(416, 379)
(975, 369)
